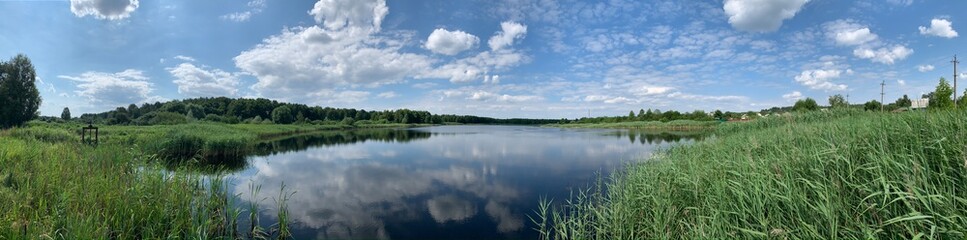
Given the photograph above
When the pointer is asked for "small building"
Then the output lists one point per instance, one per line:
(919, 104)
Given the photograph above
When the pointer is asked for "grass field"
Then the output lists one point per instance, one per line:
(52, 186)
(676, 125)
(841, 174)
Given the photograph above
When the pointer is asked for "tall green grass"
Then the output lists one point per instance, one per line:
(679, 125)
(62, 189)
(841, 174)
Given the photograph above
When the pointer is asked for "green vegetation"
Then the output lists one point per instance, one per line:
(19, 98)
(818, 175)
(837, 101)
(940, 98)
(807, 104)
(265, 111)
(51, 186)
(680, 125)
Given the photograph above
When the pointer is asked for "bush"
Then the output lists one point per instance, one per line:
(161, 118)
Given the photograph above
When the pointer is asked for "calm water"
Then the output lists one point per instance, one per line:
(447, 182)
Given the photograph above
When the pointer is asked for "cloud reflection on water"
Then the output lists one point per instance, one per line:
(365, 189)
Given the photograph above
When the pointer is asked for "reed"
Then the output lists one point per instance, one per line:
(824, 175)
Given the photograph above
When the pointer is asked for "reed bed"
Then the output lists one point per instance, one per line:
(675, 125)
(824, 175)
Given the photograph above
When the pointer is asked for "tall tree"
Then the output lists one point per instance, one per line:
(941, 96)
(872, 105)
(807, 104)
(282, 115)
(903, 102)
(66, 114)
(18, 92)
(837, 101)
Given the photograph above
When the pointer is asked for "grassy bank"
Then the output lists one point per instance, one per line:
(205, 143)
(65, 190)
(820, 175)
(676, 125)
(52, 186)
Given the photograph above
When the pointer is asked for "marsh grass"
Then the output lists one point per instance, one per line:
(57, 188)
(841, 174)
(675, 125)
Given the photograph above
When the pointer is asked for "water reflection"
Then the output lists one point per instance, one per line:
(465, 182)
(328, 138)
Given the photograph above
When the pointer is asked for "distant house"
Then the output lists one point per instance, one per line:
(919, 104)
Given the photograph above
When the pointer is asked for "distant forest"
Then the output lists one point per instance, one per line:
(261, 110)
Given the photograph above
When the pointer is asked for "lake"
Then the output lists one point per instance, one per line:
(443, 182)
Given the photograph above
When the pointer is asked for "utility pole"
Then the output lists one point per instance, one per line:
(882, 84)
(847, 100)
(955, 62)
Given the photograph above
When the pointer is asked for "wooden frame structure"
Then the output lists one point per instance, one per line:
(89, 138)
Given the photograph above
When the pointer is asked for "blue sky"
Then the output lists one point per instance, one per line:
(500, 58)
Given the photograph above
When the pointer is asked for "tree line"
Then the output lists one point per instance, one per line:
(261, 110)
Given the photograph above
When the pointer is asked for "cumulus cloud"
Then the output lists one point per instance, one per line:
(113, 89)
(195, 81)
(479, 66)
(939, 28)
(509, 32)
(255, 7)
(304, 60)
(820, 79)
(848, 32)
(104, 9)
(925, 68)
(761, 15)
(793, 96)
(358, 14)
(447, 42)
(884, 55)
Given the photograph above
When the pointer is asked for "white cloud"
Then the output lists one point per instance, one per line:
(389, 94)
(706, 98)
(607, 99)
(794, 95)
(488, 96)
(925, 68)
(480, 65)
(194, 81)
(820, 79)
(509, 31)
(939, 28)
(104, 9)
(761, 15)
(113, 89)
(450, 42)
(359, 14)
(900, 2)
(476, 67)
(650, 90)
(182, 58)
(885, 55)
(901, 82)
(848, 32)
(304, 60)
(255, 7)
